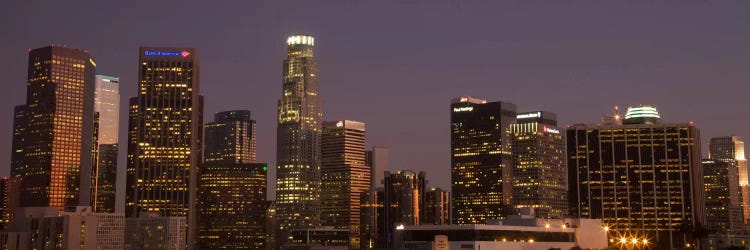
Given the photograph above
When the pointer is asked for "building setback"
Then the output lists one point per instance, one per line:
(344, 176)
(298, 141)
(641, 177)
(539, 172)
(481, 162)
(231, 186)
(53, 149)
(165, 127)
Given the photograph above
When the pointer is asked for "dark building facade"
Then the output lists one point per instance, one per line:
(165, 127)
(640, 177)
(539, 172)
(723, 197)
(53, 131)
(344, 176)
(106, 181)
(372, 229)
(232, 204)
(481, 162)
(436, 209)
(230, 138)
(231, 186)
(298, 141)
(403, 195)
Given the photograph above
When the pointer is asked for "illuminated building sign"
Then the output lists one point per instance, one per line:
(340, 124)
(529, 115)
(463, 109)
(551, 130)
(183, 53)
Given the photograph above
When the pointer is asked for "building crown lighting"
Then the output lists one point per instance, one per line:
(300, 39)
(642, 112)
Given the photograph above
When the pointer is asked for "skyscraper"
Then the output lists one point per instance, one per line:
(344, 176)
(481, 163)
(231, 186)
(165, 130)
(539, 172)
(403, 197)
(731, 149)
(104, 169)
(298, 141)
(230, 138)
(641, 177)
(723, 197)
(436, 209)
(52, 153)
(378, 161)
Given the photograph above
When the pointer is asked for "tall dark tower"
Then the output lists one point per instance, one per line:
(481, 163)
(53, 132)
(165, 129)
(231, 186)
(298, 141)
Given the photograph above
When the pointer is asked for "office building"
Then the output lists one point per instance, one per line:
(328, 238)
(47, 228)
(232, 204)
(230, 136)
(402, 198)
(298, 141)
(731, 149)
(723, 197)
(53, 151)
(372, 229)
(481, 162)
(10, 198)
(436, 209)
(104, 167)
(151, 231)
(271, 225)
(165, 127)
(539, 172)
(344, 176)
(378, 160)
(232, 187)
(641, 177)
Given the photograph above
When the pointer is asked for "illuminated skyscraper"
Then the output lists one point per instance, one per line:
(723, 197)
(164, 138)
(298, 141)
(642, 177)
(731, 149)
(344, 176)
(539, 173)
(52, 153)
(230, 138)
(104, 170)
(231, 186)
(481, 162)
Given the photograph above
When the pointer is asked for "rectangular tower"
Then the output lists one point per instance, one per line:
(539, 173)
(481, 163)
(731, 149)
(403, 196)
(104, 169)
(52, 154)
(642, 177)
(723, 197)
(165, 128)
(344, 176)
(378, 161)
(436, 209)
(298, 141)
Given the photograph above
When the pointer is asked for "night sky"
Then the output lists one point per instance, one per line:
(396, 65)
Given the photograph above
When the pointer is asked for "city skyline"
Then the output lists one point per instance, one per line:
(401, 122)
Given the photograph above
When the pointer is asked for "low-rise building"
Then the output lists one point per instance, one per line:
(151, 231)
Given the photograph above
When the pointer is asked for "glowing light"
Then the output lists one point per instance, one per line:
(634, 240)
(645, 241)
(606, 228)
(547, 226)
(642, 112)
(300, 39)
(400, 227)
(623, 240)
(339, 124)
(92, 62)
(551, 130)
(529, 115)
(463, 109)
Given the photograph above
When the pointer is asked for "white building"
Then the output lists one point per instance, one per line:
(515, 233)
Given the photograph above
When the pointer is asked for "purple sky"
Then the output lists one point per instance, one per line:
(396, 66)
